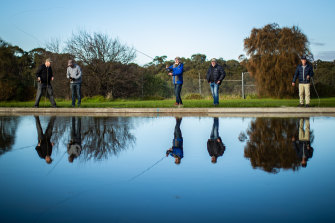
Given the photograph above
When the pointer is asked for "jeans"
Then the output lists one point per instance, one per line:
(177, 90)
(76, 91)
(215, 129)
(48, 89)
(215, 92)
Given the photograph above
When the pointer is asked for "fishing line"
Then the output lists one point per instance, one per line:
(133, 178)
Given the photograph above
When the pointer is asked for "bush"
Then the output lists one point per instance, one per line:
(193, 96)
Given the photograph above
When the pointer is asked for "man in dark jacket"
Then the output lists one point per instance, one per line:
(44, 77)
(215, 146)
(215, 75)
(304, 72)
(44, 146)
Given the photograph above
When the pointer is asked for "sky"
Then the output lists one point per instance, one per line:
(172, 28)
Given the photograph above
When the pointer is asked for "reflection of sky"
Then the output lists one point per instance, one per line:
(196, 189)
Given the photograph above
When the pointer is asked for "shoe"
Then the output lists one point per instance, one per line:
(176, 104)
(54, 106)
(73, 106)
(307, 106)
(180, 105)
(35, 106)
(78, 106)
(216, 105)
(301, 105)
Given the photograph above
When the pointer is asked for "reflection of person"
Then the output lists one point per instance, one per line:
(176, 71)
(176, 150)
(44, 146)
(215, 75)
(303, 145)
(215, 146)
(74, 146)
(74, 74)
(44, 77)
(304, 72)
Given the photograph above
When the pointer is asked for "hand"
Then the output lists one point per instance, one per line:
(307, 77)
(52, 78)
(170, 74)
(218, 82)
(167, 66)
(293, 84)
(39, 79)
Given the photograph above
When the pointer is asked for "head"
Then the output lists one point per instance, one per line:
(48, 159)
(70, 63)
(303, 60)
(213, 62)
(177, 160)
(177, 60)
(48, 62)
(71, 158)
(214, 159)
(304, 162)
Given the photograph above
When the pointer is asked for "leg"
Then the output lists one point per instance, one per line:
(216, 94)
(216, 128)
(175, 93)
(301, 93)
(307, 131)
(39, 128)
(51, 96)
(212, 90)
(38, 94)
(50, 127)
(73, 92)
(179, 86)
(307, 94)
(79, 94)
(301, 129)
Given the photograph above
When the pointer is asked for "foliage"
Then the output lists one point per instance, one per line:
(273, 56)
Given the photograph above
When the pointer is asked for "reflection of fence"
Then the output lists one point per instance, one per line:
(244, 86)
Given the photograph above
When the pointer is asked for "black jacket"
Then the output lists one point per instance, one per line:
(215, 148)
(302, 75)
(45, 73)
(215, 74)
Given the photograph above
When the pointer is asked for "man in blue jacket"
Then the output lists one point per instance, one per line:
(304, 72)
(215, 75)
(176, 71)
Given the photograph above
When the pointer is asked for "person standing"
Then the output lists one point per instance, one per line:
(44, 77)
(44, 146)
(215, 75)
(304, 72)
(177, 151)
(74, 74)
(176, 71)
(74, 147)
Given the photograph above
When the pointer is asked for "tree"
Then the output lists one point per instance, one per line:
(273, 56)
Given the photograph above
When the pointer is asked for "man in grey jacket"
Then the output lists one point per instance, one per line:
(74, 74)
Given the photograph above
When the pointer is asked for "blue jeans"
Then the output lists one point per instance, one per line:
(215, 92)
(76, 91)
(215, 129)
(177, 90)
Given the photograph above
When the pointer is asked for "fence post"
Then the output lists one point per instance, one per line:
(199, 83)
(243, 85)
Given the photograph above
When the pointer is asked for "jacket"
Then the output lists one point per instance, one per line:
(177, 73)
(74, 73)
(215, 148)
(302, 74)
(44, 73)
(215, 74)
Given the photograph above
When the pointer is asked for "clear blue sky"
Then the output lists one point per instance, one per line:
(171, 28)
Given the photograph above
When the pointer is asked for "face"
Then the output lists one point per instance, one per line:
(48, 159)
(47, 63)
(303, 62)
(213, 63)
(176, 61)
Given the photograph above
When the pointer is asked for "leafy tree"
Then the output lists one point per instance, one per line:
(273, 56)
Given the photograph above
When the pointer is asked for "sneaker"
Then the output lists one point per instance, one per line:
(180, 105)
(54, 106)
(35, 106)
(176, 104)
(307, 106)
(301, 105)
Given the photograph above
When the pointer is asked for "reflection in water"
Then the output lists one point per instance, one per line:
(303, 145)
(8, 127)
(102, 137)
(44, 146)
(176, 150)
(269, 145)
(215, 146)
(74, 146)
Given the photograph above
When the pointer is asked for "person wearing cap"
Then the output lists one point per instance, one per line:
(44, 77)
(176, 71)
(176, 151)
(304, 72)
(215, 147)
(74, 74)
(215, 75)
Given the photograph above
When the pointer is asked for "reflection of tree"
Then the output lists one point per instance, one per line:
(270, 144)
(102, 137)
(8, 125)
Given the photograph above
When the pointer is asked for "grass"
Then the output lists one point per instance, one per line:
(99, 102)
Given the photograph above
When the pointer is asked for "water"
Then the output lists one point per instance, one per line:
(146, 169)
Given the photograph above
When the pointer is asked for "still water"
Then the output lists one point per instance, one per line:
(167, 169)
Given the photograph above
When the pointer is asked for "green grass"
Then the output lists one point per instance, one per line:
(99, 102)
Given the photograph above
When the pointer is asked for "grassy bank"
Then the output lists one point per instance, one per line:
(135, 103)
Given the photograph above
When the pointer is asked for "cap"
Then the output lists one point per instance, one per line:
(213, 60)
(177, 58)
(303, 57)
(48, 60)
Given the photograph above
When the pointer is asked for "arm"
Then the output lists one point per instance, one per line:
(38, 72)
(222, 74)
(208, 73)
(78, 72)
(295, 75)
(177, 71)
(67, 73)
